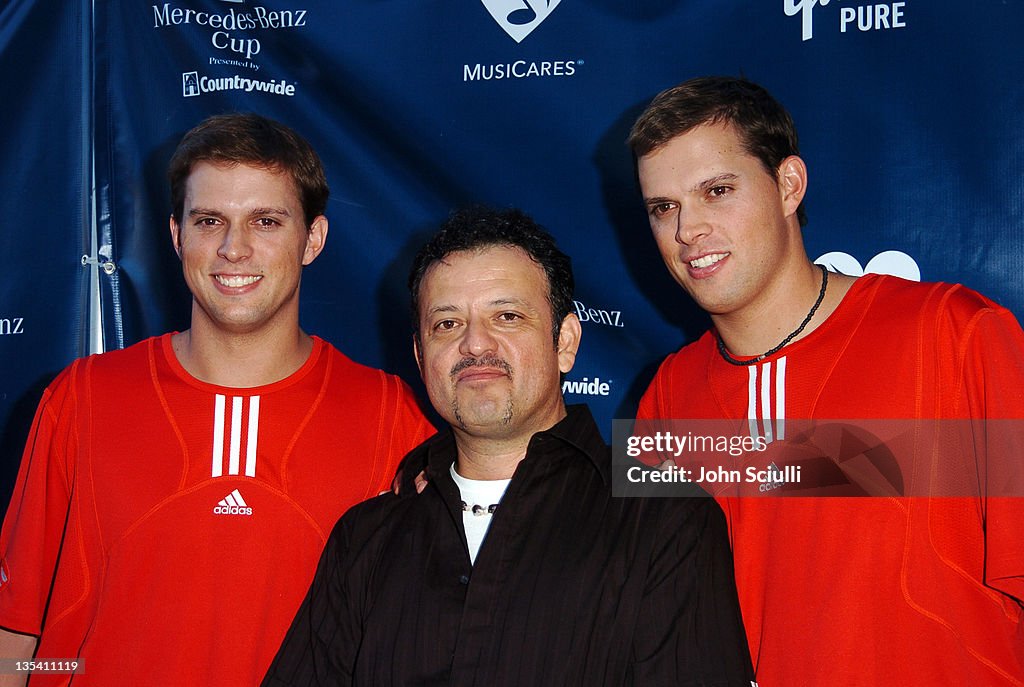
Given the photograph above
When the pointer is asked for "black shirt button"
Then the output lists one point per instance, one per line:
(463, 579)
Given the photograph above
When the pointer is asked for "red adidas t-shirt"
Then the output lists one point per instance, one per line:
(915, 590)
(180, 522)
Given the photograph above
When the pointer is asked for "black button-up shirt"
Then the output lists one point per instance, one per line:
(571, 586)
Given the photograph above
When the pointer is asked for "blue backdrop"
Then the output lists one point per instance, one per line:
(909, 114)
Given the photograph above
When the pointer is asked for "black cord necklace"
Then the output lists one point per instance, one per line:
(814, 308)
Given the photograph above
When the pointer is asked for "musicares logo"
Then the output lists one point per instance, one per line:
(520, 17)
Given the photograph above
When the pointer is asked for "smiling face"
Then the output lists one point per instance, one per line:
(485, 350)
(242, 244)
(727, 230)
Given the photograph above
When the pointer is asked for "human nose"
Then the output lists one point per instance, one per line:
(234, 245)
(691, 226)
(477, 340)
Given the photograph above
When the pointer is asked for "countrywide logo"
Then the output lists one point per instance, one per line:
(192, 85)
(520, 17)
(587, 387)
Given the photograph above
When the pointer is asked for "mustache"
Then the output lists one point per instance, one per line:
(486, 361)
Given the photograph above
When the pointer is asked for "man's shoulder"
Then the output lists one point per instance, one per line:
(697, 506)
(897, 290)
(375, 518)
(119, 364)
(360, 390)
(119, 369)
(371, 510)
(942, 303)
(347, 369)
(689, 355)
(681, 518)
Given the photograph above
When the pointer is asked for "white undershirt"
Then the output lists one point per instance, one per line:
(478, 492)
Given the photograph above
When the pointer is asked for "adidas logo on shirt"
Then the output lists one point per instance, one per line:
(232, 504)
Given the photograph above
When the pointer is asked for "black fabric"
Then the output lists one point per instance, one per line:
(571, 586)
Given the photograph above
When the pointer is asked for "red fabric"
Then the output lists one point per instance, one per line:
(115, 505)
(878, 590)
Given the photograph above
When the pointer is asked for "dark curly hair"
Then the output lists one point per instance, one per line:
(479, 227)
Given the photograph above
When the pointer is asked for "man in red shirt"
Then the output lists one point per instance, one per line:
(174, 496)
(920, 582)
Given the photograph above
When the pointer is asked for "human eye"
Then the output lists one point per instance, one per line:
(267, 223)
(509, 316)
(719, 190)
(660, 209)
(206, 222)
(444, 325)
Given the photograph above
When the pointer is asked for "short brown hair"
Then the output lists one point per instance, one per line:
(250, 139)
(765, 128)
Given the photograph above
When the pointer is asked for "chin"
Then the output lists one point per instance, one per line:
(487, 415)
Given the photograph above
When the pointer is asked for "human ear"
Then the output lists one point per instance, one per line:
(569, 342)
(316, 239)
(792, 176)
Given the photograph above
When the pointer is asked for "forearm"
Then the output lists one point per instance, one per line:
(18, 647)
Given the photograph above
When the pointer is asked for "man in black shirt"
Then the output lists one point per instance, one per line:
(515, 566)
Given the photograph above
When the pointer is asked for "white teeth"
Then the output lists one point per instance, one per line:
(236, 281)
(707, 260)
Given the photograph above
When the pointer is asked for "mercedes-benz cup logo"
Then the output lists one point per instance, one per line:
(520, 17)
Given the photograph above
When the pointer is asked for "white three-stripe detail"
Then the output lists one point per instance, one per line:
(218, 436)
(250, 443)
(763, 417)
(235, 438)
(780, 399)
(236, 434)
(766, 401)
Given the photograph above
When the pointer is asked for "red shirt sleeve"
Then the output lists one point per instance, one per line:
(993, 391)
(37, 516)
(409, 427)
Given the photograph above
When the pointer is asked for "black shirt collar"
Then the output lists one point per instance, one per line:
(577, 429)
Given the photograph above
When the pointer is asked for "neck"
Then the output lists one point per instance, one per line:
(488, 458)
(241, 360)
(473, 464)
(780, 310)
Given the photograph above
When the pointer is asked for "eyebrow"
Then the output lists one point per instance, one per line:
(510, 301)
(194, 212)
(451, 307)
(440, 309)
(714, 181)
(270, 211)
(699, 187)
